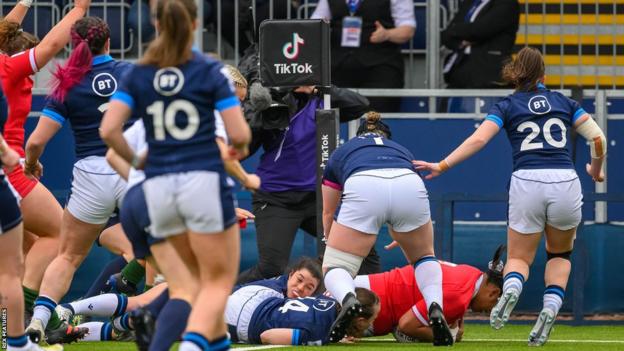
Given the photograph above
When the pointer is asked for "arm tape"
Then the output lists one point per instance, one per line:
(597, 140)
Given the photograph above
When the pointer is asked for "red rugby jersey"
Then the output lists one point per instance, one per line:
(398, 293)
(15, 72)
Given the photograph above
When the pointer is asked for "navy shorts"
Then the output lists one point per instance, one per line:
(136, 223)
(10, 214)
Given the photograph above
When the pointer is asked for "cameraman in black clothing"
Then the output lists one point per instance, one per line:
(283, 124)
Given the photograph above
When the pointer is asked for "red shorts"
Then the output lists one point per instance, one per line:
(22, 184)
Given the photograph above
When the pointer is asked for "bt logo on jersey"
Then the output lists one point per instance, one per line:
(539, 105)
(104, 84)
(168, 81)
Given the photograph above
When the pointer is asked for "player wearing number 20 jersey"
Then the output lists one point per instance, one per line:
(538, 125)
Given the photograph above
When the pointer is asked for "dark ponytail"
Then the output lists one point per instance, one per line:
(372, 124)
(172, 46)
(89, 36)
(525, 70)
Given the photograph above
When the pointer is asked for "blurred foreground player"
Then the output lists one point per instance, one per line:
(183, 167)
(544, 192)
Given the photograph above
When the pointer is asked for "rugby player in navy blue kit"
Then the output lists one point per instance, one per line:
(80, 94)
(544, 192)
(11, 256)
(373, 180)
(176, 91)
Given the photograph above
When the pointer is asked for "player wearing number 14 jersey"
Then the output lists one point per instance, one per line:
(545, 192)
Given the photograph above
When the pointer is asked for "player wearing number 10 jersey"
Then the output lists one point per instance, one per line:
(545, 192)
(188, 199)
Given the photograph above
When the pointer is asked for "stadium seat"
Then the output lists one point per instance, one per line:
(40, 19)
(115, 14)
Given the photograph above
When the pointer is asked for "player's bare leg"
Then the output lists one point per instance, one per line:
(521, 249)
(346, 249)
(559, 244)
(77, 238)
(42, 217)
(217, 275)
(417, 246)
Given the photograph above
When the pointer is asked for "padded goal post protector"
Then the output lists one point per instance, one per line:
(295, 53)
(327, 140)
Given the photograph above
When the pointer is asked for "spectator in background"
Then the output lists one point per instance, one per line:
(481, 36)
(366, 43)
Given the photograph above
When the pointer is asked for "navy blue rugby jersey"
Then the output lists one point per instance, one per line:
(279, 284)
(177, 106)
(309, 317)
(538, 125)
(86, 102)
(362, 153)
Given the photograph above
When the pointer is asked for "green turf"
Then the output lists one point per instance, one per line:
(513, 338)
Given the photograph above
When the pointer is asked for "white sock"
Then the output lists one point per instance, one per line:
(44, 306)
(429, 280)
(513, 281)
(121, 322)
(105, 305)
(189, 346)
(339, 283)
(553, 298)
(98, 331)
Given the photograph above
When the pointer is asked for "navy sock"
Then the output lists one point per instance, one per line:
(157, 305)
(99, 285)
(170, 324)
(220, 344)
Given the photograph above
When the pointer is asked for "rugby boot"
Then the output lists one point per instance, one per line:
(117, 284)
(65, 334)
(501, 312)
(64, 313)
(442, 335)
(144, 327)
(35, 330)
(543, 326)
(351, 309)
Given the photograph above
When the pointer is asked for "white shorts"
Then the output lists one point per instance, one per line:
(200, 201)
(394, 196)
(243, 303)
(96, 190)
(544, 196)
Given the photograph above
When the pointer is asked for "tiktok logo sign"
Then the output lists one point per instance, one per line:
(294, 53)
(291, 49)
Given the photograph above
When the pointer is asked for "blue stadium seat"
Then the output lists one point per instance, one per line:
(115, 14)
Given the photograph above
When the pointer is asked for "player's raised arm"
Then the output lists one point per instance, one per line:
(469, 147)
(589, 129)
(18, 12)
(60, 34)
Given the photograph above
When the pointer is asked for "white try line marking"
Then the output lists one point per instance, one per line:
(265, 347)
(520, 340)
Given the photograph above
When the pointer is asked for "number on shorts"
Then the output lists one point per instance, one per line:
(294, 305)
(164, 119)
(528, 144)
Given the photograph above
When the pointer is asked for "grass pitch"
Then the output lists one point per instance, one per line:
(476, 337)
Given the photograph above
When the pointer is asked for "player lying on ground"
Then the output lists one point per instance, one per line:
(302, 280)
(403, 308)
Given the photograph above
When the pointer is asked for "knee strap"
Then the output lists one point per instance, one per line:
(565, 255)
(339, 259)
